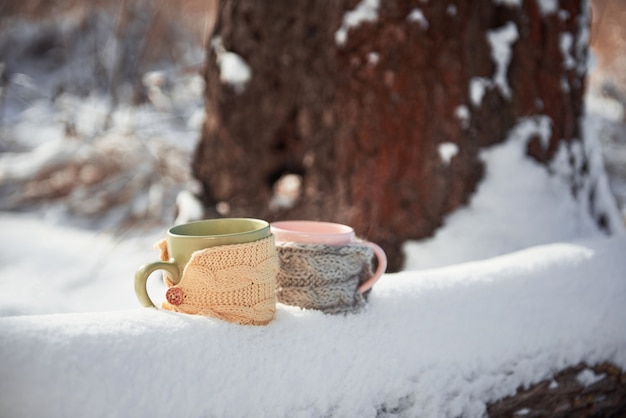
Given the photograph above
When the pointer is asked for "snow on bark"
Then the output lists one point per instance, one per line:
(478, 86)
(462, 113)
(447, 151)
(508, 3)
(365, 11)
(418, 17)
(548, 6)
(234, 70)
(501, 40)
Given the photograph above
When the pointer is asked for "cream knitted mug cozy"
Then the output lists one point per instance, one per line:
(323, 277)
(236, 283)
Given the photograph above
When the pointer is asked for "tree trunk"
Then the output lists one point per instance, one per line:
(367, 122)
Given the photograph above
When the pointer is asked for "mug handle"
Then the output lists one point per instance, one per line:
(382, 266)
(141, 279)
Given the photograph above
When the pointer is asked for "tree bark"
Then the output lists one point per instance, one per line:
(566, 396)
(363, 121)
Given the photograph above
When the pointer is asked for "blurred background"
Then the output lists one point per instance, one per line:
(606, 88)
(101, 106)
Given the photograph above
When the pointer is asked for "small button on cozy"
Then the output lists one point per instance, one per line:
(174, 295)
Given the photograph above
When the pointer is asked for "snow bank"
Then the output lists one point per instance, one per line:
(518, 204)
(434, 343)
(51, 268)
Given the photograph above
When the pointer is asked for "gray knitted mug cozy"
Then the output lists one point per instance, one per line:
(323, 277)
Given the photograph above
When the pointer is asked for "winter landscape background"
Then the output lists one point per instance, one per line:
(94, 165)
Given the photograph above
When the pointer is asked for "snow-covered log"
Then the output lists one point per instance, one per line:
(441, 343)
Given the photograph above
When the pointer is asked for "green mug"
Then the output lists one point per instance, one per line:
(183, 240)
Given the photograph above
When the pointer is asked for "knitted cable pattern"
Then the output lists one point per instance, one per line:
(236, 283)
(323, 277)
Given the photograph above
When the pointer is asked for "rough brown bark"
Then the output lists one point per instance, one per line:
(565, 397)
(364, 130)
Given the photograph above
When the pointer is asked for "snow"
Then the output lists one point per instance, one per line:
(583, 54)
(451, 10)
(548, 6)
(501, 41)
(477, 87)
(18, 166)
(435, 343)
(447, 150)
(609, 108)
(515, 286)
(508, 3)
(189, 207)
(286, 191)
(462, 113)
(365, 11)
(501, 211)
(373, 58)
(588, 377)
(417, 16)
(566, 42)
(234, 70)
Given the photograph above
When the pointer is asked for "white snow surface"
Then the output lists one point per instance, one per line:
(510, 210)
(434, 343)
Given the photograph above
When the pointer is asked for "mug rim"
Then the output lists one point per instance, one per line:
(175, 233)
(281, 227)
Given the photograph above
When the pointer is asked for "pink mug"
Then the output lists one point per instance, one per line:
(327, 233)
